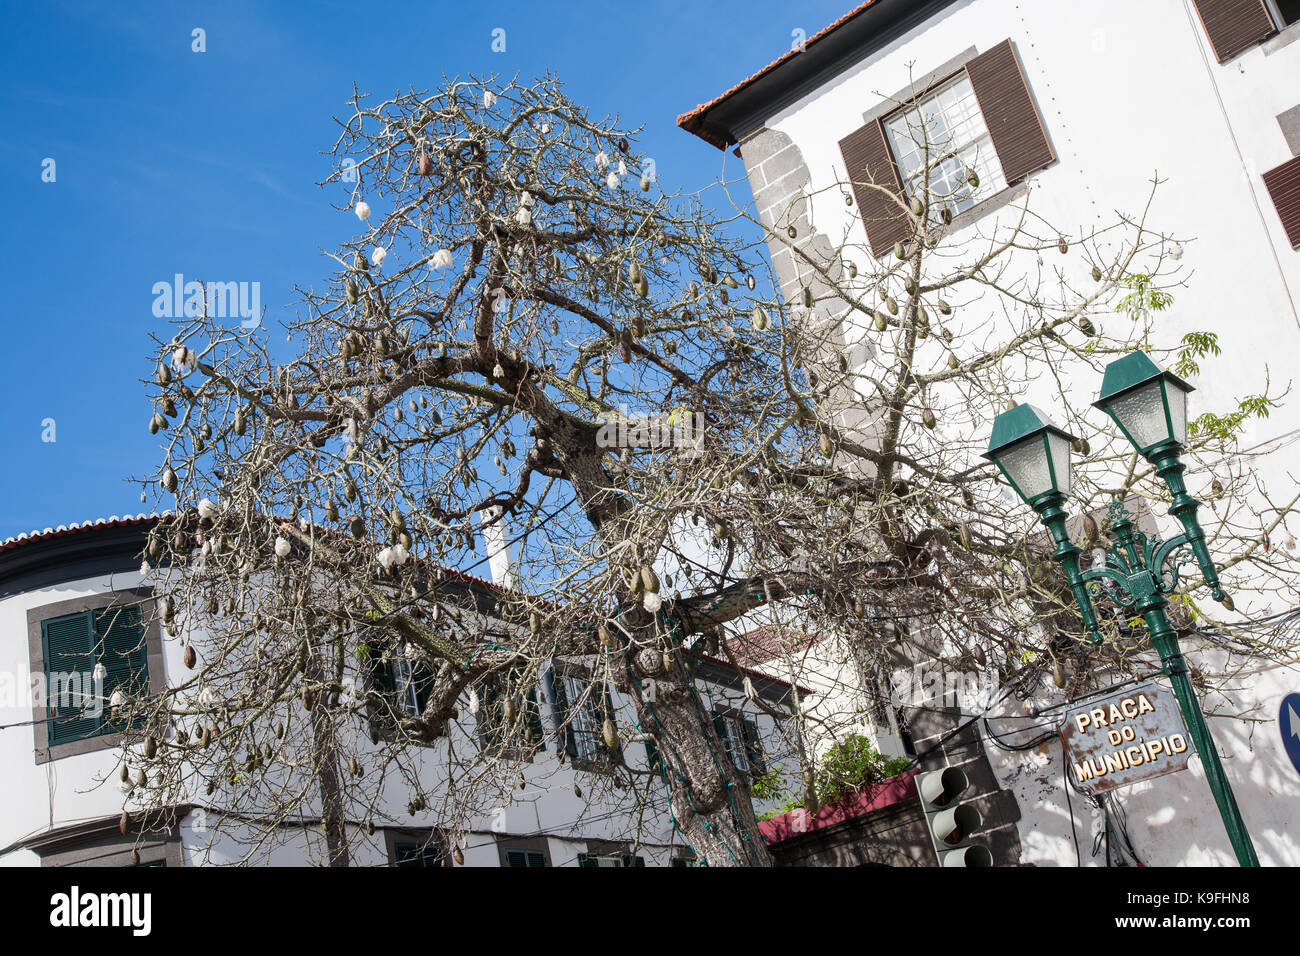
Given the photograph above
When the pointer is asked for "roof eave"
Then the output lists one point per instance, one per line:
(856, 35)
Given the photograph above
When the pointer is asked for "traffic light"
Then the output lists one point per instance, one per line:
(950, 821)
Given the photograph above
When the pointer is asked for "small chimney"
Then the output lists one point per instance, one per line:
(496, 540)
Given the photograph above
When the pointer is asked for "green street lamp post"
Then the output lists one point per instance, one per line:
(1150, 407)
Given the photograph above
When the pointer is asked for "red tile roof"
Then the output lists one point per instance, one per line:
(692, 121)
(64, 530)
(145, 520)
(767, 642)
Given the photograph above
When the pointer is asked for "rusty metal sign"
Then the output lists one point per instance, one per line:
(1125, 738)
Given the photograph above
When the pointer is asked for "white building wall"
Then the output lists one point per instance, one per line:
(36, 798)
(1129, 91)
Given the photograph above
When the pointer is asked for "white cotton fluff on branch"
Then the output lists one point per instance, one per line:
(489, 99)
(281, 547)
(377, 256)
(622, 168)
(207, 698)
(362, 210)
(524, 217)
(391, 557)
(207, 509)
(612, 181)
(441, 259)
(748, 684)
(473, 701)
(652, 602)
(182, 358)
(117, 700)
(602, 161)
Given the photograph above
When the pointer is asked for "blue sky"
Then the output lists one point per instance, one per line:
(170, 161)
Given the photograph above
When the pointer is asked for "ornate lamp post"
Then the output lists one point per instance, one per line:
(1150, 407)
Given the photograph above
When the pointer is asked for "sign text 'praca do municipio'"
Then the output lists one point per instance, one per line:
(1124, 738)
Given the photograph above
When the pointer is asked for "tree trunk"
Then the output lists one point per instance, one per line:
(326, 761)
(710, 801)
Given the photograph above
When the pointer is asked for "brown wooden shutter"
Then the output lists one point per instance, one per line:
(1234, 25)
(1014, 125)
(867, 161)
(1284, 186)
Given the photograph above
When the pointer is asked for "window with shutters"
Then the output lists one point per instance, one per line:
(1234, 26)
(402, 683)
(739, 735)
(509, 719)
(966, 138)
(594, 860)
(92, 658)
(583, 706)
(85, 651)
(1283, 185)
(416, 848)
(527, 854)
(938, 141)
(400, 689)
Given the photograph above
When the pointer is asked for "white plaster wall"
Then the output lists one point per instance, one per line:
(1128, 91)
(35, 798)
(38, 798)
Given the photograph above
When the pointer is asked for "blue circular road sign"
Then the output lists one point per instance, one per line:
(1288, 725)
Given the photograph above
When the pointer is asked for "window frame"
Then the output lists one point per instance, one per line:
(525, 845)
(913, 105)
(423, 838)
(485, 726)
(734, 717)
(602, 759)
(44, 750)
(384, 718)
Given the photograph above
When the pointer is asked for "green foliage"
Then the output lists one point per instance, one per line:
(1195, 345)
(768, 786)
(1143, 297)
(851, 763)
(1228, 427)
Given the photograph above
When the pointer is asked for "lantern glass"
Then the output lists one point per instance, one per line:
(1058, 446)
(1028, 467)
(1176, 403)
(1148, 403)
(1151, 414)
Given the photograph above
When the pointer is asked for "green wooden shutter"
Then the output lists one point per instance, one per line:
(121, 649)
(605, 708)
(561, 704)
(525, 858)
(488, 724)
(68, 644)
(720, 728)
(585, 860)
(753, 748)
(533, 718)
(651, 755)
